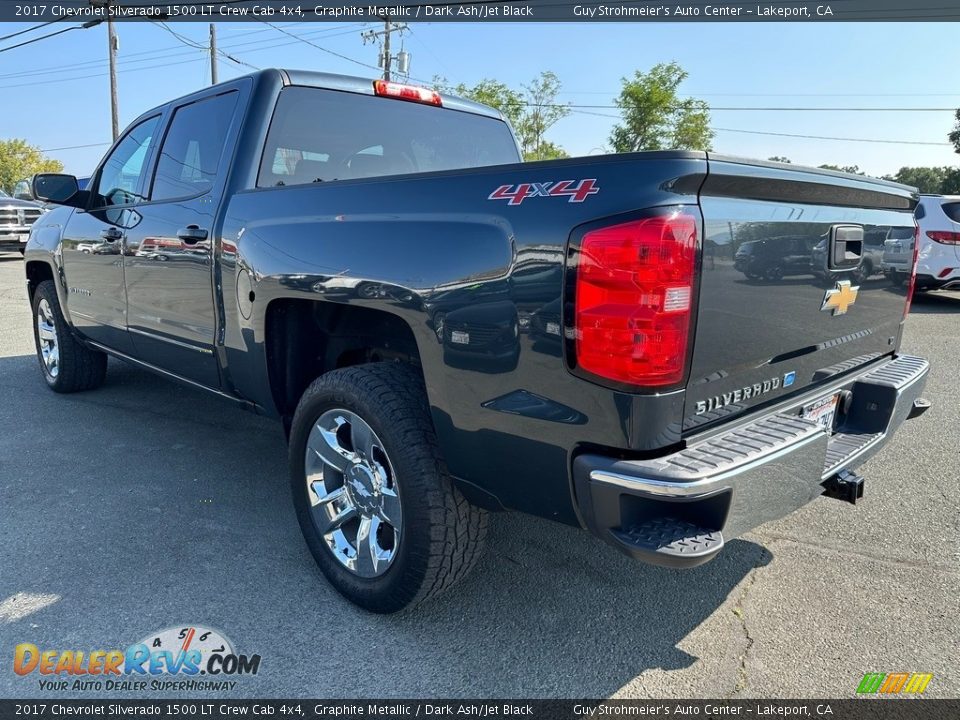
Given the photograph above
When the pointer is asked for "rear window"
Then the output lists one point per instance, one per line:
(952, 211)
(322, 135)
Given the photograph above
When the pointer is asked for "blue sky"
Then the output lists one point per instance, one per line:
(57, 95)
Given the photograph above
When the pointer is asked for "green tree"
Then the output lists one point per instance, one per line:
(549, 151)
(925, 179)
(951, 182)
(654, 117)
(954, 135)
(19, 160)
(532, 111)
(542, 113)
(489, 92)
(780, 159)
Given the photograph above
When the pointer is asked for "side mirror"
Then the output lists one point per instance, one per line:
(54, 187)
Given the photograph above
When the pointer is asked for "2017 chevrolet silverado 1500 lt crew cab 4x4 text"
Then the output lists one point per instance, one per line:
(445, 330)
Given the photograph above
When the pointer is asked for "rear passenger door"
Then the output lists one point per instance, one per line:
(171, 307)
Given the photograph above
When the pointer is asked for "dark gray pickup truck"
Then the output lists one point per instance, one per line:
(444, 330)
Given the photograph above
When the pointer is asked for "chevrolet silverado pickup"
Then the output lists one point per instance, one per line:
(444, 330)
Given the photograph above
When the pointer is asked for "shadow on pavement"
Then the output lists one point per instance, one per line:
(144, 505)
(935, 303)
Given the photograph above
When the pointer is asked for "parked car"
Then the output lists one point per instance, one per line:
(16, 218)
(897, 259)
(684, 408)
(938, 254)
(773, 258)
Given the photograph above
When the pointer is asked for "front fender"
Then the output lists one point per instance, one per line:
(45, 246)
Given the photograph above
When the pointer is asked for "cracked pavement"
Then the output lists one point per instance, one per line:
(144, 505)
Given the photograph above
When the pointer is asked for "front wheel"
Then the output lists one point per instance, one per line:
(376, 505)
(67, 365)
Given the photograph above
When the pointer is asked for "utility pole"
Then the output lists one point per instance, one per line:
(386, 57)
(113, 45)
(213, 54)
(114, 102)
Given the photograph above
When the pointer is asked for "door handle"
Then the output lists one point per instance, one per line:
(111, 234)
(192, 234)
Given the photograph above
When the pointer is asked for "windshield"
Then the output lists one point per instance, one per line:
(3, 194)
(322, 135)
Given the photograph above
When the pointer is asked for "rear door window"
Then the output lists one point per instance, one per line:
(191, 152)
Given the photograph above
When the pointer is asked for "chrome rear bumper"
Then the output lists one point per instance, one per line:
(746, 475)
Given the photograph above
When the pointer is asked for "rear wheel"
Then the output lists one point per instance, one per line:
(67, 365)
(377, 508)
(773, 273)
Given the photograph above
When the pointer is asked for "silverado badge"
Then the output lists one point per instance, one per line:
(840, 298)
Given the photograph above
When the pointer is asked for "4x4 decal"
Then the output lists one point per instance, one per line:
(516, 194)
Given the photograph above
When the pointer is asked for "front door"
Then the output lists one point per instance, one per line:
(93, 240)
(169, 254)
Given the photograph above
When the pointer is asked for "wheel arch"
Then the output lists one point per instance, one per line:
(305, 338)
(38, 271)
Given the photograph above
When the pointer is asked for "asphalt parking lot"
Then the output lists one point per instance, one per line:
(145, 505)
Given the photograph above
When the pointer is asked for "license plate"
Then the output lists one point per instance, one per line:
(822, 411)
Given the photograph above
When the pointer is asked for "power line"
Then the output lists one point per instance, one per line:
(330, 52)
(30, 29)
(190, 43)
(166, 63)
(762, 108)
(85, 25)
(693, 95)
(162, 52)
(76, 147)
(829, 137)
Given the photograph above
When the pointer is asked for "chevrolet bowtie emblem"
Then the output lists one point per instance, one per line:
(840, 298)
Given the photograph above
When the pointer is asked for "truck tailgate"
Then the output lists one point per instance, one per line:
(778, 312)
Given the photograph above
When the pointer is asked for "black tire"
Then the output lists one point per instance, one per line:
(773, 273)
(443, 534)
(79, 368)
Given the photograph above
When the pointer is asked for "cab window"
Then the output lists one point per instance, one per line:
(190, 155)
(119, 179)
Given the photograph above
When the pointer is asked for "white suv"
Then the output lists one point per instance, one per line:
(938, 259)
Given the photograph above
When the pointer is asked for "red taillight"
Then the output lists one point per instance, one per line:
(634, 300)
(913, 269)
(944, 237)
(406, 92)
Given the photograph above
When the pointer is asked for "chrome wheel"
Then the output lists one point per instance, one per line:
(47, 338)
(351, 486)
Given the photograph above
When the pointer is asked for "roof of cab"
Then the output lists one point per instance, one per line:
(349, 83)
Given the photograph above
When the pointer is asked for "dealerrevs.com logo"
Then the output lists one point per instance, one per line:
(189, 657)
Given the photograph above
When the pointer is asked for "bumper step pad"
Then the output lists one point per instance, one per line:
(671, 542)
(844, 446)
